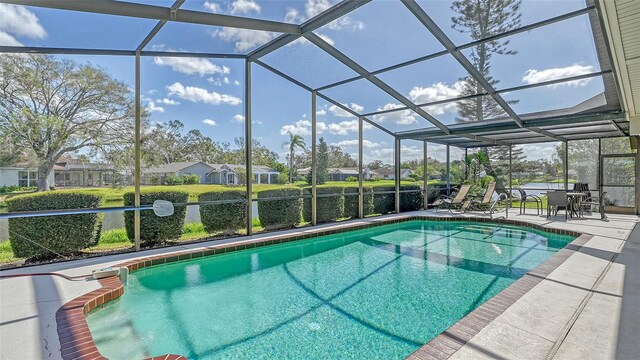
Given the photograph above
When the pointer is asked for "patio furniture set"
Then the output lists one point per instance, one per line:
(574, 203)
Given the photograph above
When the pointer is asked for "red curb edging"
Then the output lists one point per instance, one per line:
(76, 341)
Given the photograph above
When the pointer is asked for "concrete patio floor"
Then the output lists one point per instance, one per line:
(588, 308)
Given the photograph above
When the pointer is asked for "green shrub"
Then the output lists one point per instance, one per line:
(383, 203)
(191, 179)
(351, 179)
(174, 180)
(4, 189)
(227, 218)
(277, 214)
(485, 180)
(64, 234)
(435, 192)
(283, 178)
(373, 179)
(351, 201)
(328, 208)
(411, 201)
(153, 228)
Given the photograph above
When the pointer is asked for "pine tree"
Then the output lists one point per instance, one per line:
(482, 19)
(322, 165)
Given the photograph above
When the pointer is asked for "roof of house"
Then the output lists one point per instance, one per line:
(64, 163)
(173, 167)
(390, 170)
(345, 171)
(179, 166)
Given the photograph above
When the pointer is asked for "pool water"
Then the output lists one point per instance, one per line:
(380, 293)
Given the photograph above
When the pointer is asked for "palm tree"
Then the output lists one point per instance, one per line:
(295, 142)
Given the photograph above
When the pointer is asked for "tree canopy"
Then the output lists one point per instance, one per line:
(51, 107)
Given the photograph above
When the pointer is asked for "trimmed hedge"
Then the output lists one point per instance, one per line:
(64, 234)
(383, 203)
(329, 208)
(155, 229)
(411, 201)
(278, 214)
(227, 218)
(351, 201)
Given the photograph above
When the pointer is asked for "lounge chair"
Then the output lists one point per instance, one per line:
(483, 204)
(449, 201)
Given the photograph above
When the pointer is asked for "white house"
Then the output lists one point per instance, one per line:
(390, 173)
(67, 172)
(23, 176)
(225, 174)
(341, 174)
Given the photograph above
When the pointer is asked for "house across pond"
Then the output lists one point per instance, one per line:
(224, 174)
(67, 172)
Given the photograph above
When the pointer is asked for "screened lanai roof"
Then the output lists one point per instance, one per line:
(521, 109)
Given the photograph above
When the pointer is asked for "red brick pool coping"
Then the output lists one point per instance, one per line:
(76, 341)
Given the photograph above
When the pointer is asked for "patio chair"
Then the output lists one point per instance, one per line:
(484, 203)
(526, 198)
(596, 201)
(557, 200)
(449, 201)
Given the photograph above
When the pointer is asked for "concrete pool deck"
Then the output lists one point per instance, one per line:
(587, 308)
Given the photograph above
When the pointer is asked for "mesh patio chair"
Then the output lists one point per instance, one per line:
(526, 198)
(596, 201)
(451, 202)
(557, 200)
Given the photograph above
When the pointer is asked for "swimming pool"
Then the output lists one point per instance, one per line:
(379, 292)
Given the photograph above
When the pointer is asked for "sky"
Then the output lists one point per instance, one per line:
(208, 94)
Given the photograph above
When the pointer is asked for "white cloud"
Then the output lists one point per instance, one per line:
(236, 82)
(152, 107)
(238, 118)
(436, 92)
(168, 101)
(354, 144)
(343, 127)
(533, 76)
(212, 6)
(315, 7)
(245, 39)
(244, 7)
(303, 128)
(321, 112)
(152, 91)
(191, 66)
(293, 16)
(303, 41)
(196, 94)
(338, 111)
(16, 20)
(400, 117)
(408, 153)
(8, 40)
(542, 151)
(209, 122)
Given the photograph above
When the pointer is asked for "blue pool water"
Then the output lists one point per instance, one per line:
(380, 293)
